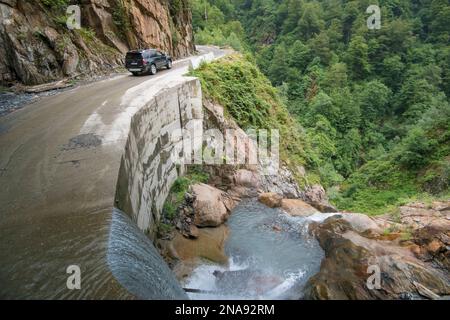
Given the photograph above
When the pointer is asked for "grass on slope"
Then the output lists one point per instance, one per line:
(417, 169)
(248, 97)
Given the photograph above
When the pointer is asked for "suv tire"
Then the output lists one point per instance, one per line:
(169, 64)
(153, 69)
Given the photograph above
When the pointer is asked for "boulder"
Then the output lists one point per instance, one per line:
(361, 222)
(441, 205)
(350, 257)
(271, 199)
(192, 232)
(434, 243)
(11, 3)
(212, 206)
(296, 207)
(279, 180)
(246, 178)
(317, 197)
(415, 216)
(244, 184)
(427, 226)
(210, 245)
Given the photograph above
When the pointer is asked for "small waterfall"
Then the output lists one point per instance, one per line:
(271, 256)
(136, 264)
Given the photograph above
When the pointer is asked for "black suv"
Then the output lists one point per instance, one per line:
(147, 61)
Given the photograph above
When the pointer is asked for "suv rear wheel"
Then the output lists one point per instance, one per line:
(153, 70)
(169, 64)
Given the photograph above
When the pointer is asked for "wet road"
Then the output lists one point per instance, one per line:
(58, 176)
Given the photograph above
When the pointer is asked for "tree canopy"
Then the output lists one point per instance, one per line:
(374, 102)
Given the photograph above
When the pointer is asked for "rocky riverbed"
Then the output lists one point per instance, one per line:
(410, 250)
(221, 241)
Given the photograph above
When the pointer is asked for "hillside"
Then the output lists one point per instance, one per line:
(374, 103)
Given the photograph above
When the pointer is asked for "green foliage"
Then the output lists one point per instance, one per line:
(249, 98)
(61, 20)
(179, 189)
(120, 18)
(87, 34)
(357, 57)
(210, 25)
(375, 186)
(415, 149)
(373, 104)
(220, 37)
(175, 7)
(55, 4)
(239, 86)
(90, 38)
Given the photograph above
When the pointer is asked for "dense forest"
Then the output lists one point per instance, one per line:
(373, 104)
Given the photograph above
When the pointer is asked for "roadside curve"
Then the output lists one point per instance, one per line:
(59, 164)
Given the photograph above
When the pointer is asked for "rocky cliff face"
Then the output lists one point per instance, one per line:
(37, 47)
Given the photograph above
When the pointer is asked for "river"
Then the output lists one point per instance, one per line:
(271, 256)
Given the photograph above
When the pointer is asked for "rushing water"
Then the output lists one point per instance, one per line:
(271, 256)
(136, 263)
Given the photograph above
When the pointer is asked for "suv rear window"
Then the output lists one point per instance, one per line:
(134, 55)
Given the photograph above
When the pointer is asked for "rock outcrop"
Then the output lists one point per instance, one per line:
(413, 264)
(297, 208)
(211, 206)
(317, 197)
(244, 183)
(271, 199)
(209, 245)
(283, 183)
(231, 178)
(428, 226)
(294, 207)
(37, 47)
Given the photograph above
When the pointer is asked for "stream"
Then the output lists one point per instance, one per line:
(271, 256)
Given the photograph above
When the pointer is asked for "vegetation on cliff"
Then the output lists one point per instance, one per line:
(236, 83)
(374, 103)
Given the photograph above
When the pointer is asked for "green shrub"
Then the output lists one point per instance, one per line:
(250, 99)
(415, 150)
(60, 20)
(120, 18)
(55, 4)
(88, 35)
(179, 190)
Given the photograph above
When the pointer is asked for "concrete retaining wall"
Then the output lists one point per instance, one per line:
(147, 170)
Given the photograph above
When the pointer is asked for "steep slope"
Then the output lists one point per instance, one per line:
(37, 47)
(374, 102)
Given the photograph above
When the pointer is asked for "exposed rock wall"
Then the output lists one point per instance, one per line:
(155, 23)
(37, 47)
